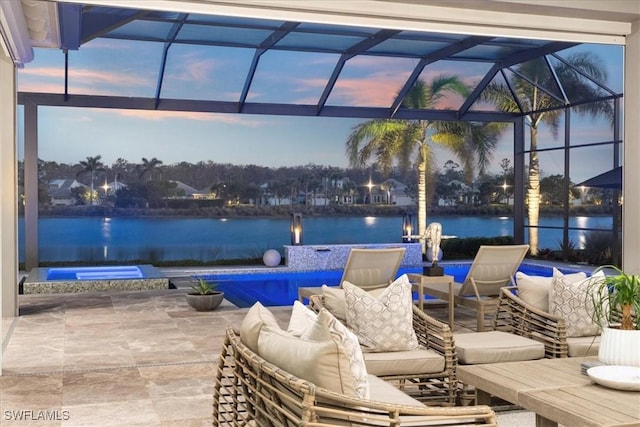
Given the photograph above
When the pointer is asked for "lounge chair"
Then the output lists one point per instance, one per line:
(493, 267)
(366, 268)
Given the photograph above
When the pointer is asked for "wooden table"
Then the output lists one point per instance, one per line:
(556, 391)
(419, 281)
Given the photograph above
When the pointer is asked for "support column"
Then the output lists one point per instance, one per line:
(30, 184)
(8, 185)
(631, 171)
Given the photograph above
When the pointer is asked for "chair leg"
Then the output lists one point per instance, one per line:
(480, 319)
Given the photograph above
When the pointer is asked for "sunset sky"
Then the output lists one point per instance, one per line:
(125, 68)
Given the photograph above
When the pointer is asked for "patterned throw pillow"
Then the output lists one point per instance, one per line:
(334, 300)
(384, 323)
(534, 290)
(570, 301)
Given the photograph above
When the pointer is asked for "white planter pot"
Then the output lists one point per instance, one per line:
(619, 347)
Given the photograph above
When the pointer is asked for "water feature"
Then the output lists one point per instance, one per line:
(96, 239)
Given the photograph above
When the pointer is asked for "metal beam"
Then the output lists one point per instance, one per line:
(443, 53)
(70, 26)
(131, 103)
(354, 50)
(266, 44)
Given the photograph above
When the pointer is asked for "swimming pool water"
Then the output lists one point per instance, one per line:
(281, 289)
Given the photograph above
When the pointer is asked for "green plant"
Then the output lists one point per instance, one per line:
(203, 287)
(616, 296)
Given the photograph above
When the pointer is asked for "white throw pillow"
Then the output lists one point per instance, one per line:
(384, 323)
(324, 363)
(572, 303)
(534, 290)
(255, 319)
(301, 319)
(567, 278)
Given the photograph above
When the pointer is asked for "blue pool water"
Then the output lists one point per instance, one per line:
(281, 289)
(94, 273)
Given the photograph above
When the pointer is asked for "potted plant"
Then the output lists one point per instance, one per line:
(204, 296)
(616, 304)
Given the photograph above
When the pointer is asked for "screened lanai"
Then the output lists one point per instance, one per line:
(311, 55)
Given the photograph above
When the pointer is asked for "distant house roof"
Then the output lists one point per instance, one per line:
(61, 188)
(188, 190)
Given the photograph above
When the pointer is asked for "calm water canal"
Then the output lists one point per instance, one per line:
(91, 239)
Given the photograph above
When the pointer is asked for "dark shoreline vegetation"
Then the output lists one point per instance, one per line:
(201, 210)
(596, 252)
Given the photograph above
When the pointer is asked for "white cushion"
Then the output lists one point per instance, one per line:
(534, 290)
(383, 391)
(301, 319)
(327, 327)
(495, 347)
(384, 323)
(323, 363)
(572, 302)
(256, 317)
(420, 361)
(334, 300)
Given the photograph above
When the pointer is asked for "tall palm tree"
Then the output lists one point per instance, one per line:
(401, 141)
(148, 167)
(532, 98)
(91, 165)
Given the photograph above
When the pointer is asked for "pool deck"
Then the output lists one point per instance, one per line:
(128, 358)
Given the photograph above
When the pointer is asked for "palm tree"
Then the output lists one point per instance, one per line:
(399, 141)
(148, 167)
(531, 98)
(91, 165)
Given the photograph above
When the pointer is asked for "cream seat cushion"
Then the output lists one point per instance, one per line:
(496, 346)
(421, 361)
(583, 346)
(384, 323)
(534, 290)
(383, 391)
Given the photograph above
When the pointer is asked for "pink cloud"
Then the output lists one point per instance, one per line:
(88, 77)
(157, 115)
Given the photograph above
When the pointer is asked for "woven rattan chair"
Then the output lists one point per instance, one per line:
(250, 391)
(518, 317)
(433, 388)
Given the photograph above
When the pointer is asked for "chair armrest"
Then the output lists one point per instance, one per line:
(520, 318)
(436, 336)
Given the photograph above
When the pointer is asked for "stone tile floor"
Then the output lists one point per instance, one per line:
(138, 358)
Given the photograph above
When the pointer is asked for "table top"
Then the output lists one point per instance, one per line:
(557, 390)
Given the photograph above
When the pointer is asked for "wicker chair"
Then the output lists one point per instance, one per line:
(251, 391)
(439, 388)
(518, 317)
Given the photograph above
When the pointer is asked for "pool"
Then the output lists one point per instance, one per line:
(94, 273)
(281, 288)
(98, 278)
